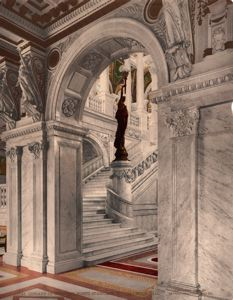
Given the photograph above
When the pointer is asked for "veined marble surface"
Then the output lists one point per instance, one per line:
(215, 157)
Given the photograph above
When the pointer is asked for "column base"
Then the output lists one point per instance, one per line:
(64, 266)
(177, 291)
(35, 263)
(12, 259)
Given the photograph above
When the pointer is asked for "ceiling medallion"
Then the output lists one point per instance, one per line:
(53, 58)
(152, 10)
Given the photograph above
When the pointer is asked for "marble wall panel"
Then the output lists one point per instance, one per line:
(69, 210)
(215, 158)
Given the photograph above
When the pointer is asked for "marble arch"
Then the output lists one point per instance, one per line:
(85, 44)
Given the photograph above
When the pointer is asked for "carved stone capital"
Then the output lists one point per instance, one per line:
(183, 122)
(32, 74)
(36, 148)
(14, 152)
(9, 94)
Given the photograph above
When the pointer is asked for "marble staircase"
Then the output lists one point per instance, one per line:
(103, 239)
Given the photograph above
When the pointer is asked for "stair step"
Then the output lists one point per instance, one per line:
(89, 235)
(115, 246)
(116, 254)
(95, 217)
(98, 241)
(91, 228)
(93, 212)
(97, 222)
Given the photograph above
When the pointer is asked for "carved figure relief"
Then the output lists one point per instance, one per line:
(36, 148)
(31, 81)
(218, 39)
(9, 97)
(179, 38)
(91, 61)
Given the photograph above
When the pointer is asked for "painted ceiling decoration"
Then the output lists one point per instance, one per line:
(42, 12)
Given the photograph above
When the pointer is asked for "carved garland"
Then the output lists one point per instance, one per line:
(130, 175)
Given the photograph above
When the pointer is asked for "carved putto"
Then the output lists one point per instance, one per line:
(9, 97)
(179, 38)
(31, 81)
(36, 148)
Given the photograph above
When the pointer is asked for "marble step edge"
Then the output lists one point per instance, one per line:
(97, 259)
(124, 244)
(97, 226)
(98, 241)
(94, 213)
(95, 217)
(97, 221)
(113, 231)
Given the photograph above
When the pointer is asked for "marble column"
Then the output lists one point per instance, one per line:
(128, 85)
(14, 206)
(140, 82)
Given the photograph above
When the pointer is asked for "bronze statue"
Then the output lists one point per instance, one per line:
(122, 120)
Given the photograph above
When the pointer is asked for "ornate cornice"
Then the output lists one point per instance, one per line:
(193, 87)
(22, 131)
(78, 131)
(183, 122)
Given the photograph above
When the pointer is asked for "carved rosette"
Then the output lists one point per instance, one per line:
(69, 107)
(32, 82)
(9, 94)
(12, 153)
(183, 122)
(36, 148)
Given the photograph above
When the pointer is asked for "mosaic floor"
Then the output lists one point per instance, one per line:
(132, 278)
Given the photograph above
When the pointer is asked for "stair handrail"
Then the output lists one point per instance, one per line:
(132, 174)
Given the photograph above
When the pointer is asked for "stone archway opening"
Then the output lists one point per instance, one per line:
(86, 58)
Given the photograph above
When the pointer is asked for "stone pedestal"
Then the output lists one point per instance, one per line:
(119, 196)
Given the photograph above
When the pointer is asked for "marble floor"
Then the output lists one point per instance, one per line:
(131, 278)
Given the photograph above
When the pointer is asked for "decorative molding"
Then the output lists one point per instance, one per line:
(36, 148)
(77, 15)
(131, 174)
(133, 133)
(69, 107)
(9, 95)
(58, 127)
(183, 122)
(18, 132)
(190, 88)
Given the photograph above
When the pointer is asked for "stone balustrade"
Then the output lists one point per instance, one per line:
(3, 196)
(92, 166)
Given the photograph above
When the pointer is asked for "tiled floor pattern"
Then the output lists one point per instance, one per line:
(97, 283)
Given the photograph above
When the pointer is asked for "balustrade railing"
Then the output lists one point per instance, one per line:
(95, 104)
(92, 166)
(134, 120)
(2, 195)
